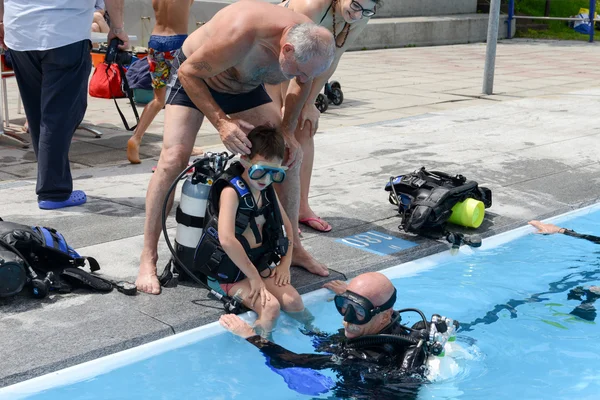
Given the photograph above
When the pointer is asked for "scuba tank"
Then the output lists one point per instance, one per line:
(190, 215)
(190, 225)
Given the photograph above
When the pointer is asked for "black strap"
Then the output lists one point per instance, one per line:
(188, 220)
(129, 93)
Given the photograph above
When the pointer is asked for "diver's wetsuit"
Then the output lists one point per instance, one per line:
(365, 371)
(591, 238)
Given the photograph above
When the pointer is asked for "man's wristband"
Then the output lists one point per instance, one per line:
(117, 31)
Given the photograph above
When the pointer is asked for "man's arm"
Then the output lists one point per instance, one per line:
(117, 28)
(549, 229)
(280, 357)
(569, 232)
(215, 55)
(293, 103)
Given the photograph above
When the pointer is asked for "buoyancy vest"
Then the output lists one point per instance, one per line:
(425, 198)
(210, 259)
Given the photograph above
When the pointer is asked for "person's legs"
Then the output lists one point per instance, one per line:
(150, 112)
(99, 23)
(306, 214)
(65, 72)
(181, 126)
(291, 302)
(267, 314)
(28, 72)
(162, 64)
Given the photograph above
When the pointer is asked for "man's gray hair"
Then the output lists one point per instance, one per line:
(309, 42)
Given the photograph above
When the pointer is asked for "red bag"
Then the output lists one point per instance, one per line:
(106, 82)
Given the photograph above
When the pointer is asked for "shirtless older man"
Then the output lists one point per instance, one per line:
(220, 72)
(168, 35)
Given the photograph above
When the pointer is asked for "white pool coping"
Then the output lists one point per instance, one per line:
(90, 369)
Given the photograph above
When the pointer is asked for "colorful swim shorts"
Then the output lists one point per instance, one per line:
(161, 50)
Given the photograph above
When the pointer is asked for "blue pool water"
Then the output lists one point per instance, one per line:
(520, 340)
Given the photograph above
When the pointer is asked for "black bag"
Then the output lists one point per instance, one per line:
(42, 256)
(425, 199)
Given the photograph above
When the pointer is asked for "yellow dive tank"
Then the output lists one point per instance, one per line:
(468, 213)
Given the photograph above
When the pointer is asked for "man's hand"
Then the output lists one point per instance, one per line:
(293, 152)
(545, 229)
(120, 34)
(233, 136)
(235, 325)
(338, 287)
(2, 36)
(310, 114)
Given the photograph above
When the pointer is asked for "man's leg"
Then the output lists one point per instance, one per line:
(288, 191)
(28, 71)
(180, 129)
(65, 74)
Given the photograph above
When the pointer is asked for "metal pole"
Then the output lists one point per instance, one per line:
(511, 13)
(592, 19)
(490, 55)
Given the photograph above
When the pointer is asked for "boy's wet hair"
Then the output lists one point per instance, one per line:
(267, 142)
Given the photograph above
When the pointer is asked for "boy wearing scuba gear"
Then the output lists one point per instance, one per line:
(264, 289)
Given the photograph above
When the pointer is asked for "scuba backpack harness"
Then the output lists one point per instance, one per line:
(425, 201)
(198, 255)
(41, 257)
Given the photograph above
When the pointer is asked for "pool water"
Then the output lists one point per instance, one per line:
(519, 337)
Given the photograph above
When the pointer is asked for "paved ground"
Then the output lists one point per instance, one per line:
(535, 143)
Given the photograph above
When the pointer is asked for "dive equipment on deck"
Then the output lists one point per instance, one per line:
(48, 263)
(426, 200)
(206, 170)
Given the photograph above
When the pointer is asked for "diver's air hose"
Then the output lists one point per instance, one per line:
(164, 222)
(369, 340)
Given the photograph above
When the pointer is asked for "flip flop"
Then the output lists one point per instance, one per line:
(77, 198)
(316, 227)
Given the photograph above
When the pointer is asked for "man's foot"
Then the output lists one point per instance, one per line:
(147, 281)
(235, 325)
(133, 150)
(25, 127)
(301, 258)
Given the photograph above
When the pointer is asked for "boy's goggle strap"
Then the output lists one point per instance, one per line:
(258, 171)
(359, 310)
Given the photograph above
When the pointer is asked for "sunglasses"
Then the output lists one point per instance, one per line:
(258, 171)
(359, 310)
(365, 12)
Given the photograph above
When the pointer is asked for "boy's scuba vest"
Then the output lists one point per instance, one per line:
(210, 259)
(425, 199)
(27, 251)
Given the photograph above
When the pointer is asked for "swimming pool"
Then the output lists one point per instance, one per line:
(510, 296)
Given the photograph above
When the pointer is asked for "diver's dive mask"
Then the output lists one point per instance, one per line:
(359, 310)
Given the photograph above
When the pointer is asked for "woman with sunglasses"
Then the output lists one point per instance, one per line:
(375, 355)
(346, 19)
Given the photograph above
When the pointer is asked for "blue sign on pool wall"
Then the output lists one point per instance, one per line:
(377, 243)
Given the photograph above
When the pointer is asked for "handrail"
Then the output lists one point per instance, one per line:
(511, 16)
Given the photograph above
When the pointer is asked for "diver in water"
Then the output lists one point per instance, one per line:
(587, 296)
(549, 229)
(373, 356)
